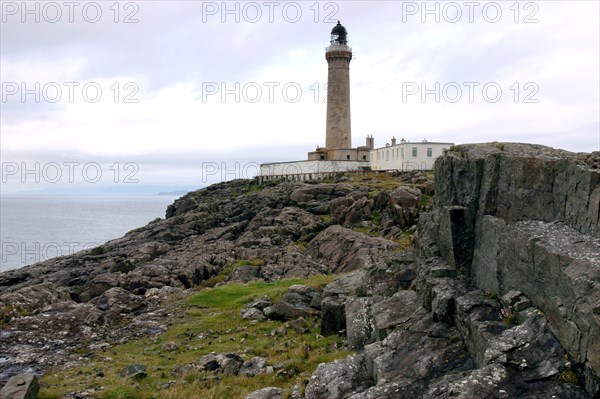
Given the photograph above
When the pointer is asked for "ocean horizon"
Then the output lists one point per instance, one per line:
(35, 228)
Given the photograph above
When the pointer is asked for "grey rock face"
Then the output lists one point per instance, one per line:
(21, 386)
(134, 371)
(333, 317)
(245, 274)
(519, 182)
(252, 314)
(558, 269)
(226, 363)
(253, 367)
(118, 300)
(347, 250)
(359, 322)
(314, 195)
(528, 222)
(266, 393)
(339, 379)
(299, 301)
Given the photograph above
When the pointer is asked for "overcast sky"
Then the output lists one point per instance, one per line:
(167, 93)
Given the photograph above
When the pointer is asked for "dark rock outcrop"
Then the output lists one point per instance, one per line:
(339, 379)
(518, 222)
(525, 217)
(228, 364)
(347, 250)
(299, 301)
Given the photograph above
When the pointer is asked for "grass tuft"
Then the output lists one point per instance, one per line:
(212, 323)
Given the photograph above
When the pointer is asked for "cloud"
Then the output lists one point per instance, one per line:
(208, 87)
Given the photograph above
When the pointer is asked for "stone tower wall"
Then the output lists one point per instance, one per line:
(338, 97)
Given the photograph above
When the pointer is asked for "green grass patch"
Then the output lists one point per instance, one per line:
(248, 262)
(374, 181)
(252, 188)
(376, 218)
(227, 270)
(212, 323)
(367, 230)
(326, 218)
(569, 376)
(230, 296)
(302, 244)
(123, 392)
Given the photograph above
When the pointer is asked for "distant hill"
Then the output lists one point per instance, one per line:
(178, 193)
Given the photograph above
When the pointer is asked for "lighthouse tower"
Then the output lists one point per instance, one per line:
(338, 137)
(338, 55)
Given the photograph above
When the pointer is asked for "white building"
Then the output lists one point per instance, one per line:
(407, 155)
(402, 156)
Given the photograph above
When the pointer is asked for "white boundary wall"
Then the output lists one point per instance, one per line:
(308, 170)
(305, 167)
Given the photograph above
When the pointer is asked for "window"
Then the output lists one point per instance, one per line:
(387, 155)
(429, 152)
(414, 152)
(348, 157)
(322, 157)
(364, 157)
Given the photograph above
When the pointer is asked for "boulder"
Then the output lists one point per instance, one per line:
(348, 284)
(118, 300)
(333, 317)
(360, 326)
(21, 386)
(346, 250)
(290, 307)
(227, 363)
(393, 311)
(339, 379)
(405, 197)
(311, 196)
(253, 367)
(252, 314)
(299, 301)
(245, 274)
(34, 298)
(209, 362)
(266, 393)
(134, 371)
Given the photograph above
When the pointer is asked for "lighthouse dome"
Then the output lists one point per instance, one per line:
(339, 34)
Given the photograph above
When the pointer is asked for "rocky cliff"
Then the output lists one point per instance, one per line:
(523, 217)
(496, 296)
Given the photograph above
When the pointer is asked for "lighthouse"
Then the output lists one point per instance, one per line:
(338, 133)
(338, 56)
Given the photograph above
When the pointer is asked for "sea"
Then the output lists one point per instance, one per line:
(36, 228)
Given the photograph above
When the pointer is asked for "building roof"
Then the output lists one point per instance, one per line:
(341, 32)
